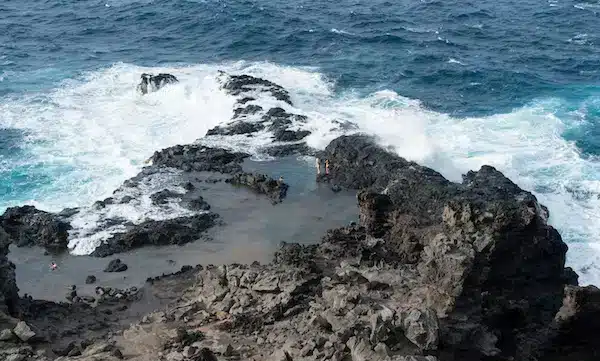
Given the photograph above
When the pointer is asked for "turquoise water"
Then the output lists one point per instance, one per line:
(450, 85)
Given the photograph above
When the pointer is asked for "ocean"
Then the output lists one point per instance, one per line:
(451, 85)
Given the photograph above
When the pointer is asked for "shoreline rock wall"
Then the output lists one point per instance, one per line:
(435, 270)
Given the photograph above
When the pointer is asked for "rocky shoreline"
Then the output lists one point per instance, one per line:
(434, 270)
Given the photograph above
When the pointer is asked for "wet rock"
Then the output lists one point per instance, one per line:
(126, 199)
(23, 331)
(240, 84)
(196, 204)
(262, 184)
(239, 127)
(199, 158)
(151, 83)
(285, 150)
(90, 279)
(247, 110)
(28, 226)
(163, 196)
(573, 333)
(285, 135)
(158, 233)
(188, 186)
(116, 266)
(68, 212)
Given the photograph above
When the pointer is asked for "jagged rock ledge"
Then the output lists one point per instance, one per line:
(434, 271)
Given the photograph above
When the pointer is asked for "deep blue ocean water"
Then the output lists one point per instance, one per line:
(454, 85)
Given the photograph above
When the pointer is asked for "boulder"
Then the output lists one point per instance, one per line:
(116, 266)
(246, 110)
(23, 331)
(196, 204)
(150, 83)
(90, 279)
(28, 226)
(163, 196)
(262, 184)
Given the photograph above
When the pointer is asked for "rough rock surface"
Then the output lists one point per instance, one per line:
(199, 158)
(172, 231)
(284, 150)
(240, 84)
(574, 332)
(434, 271)
(115, 265)
(239, 127)
(9, 293)
(250, 118)
(29, 226)
(262, 184)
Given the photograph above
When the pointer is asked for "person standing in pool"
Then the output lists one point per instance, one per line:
(318, 166)
(326, 166)
(53, 266)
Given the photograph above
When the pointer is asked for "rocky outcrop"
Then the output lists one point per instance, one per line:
(199, 158)
(163, 196)
(276, 190)
(150, 83)
(158, 233)
(28, 226)
(250, 118)
(239, 127)
(484, 253)
(241, 84)
(9, 293)
(284, 150)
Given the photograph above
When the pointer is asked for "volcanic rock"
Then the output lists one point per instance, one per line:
(28, 226)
